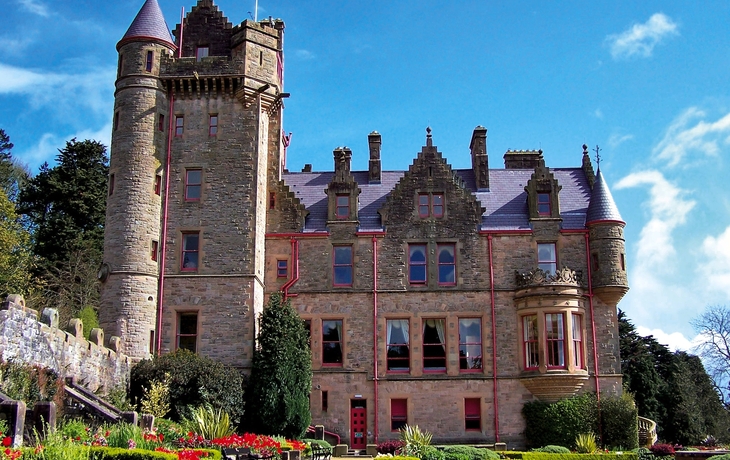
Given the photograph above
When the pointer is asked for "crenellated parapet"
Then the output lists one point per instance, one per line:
(24, 337)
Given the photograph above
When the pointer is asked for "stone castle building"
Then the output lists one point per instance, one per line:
(434, 296)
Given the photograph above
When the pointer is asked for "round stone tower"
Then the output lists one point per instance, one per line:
(130, 271)
(608, 252)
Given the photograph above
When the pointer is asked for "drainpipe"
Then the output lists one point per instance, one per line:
(295, 269)
(375, 334)
(494, 341)
(593, 333)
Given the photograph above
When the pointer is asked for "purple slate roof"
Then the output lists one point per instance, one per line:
(602, 207)
(149, 23)
(505, 202)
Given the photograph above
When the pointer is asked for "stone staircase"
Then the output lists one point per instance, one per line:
(647, 432)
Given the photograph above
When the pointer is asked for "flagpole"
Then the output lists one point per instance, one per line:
(256, 12)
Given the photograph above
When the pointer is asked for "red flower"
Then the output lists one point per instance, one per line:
(7, 441)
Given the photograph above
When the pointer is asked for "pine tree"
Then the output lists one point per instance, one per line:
(277, 397)
(12, 173)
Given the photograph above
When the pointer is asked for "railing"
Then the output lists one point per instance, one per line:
(647, 432)
(539, 277)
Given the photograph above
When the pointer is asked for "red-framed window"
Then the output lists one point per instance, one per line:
(417, 264)
(116, 121)
(547, 259)
(213, 125)
(424, 208)
(282, 268)
(111, 184)
(179, 125)
(472, 414)
(190, 252)
(430, 205)
(158, 184)
(193, 184)
(201, 52)
(161, 122)
(447, 263)
(342, 265)
(577, 325)
(154, 251)
(437, 205)
(555, 339)
(434, 345)
(332, 342)
(529, 342)
(148, 63)
(187, 331)
(398, 343)
(543, 204)
(342, 206)
(398, 414)
(470, 344)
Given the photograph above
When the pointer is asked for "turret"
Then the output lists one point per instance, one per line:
(608, 252)
(130, 269)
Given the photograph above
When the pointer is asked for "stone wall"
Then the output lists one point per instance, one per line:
(26, 339)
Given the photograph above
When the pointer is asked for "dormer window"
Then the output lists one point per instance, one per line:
(543, 204)
(342, 207)
(201, 52)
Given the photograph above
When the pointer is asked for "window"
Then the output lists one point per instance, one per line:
(282, 268)
(398, 354)
(116, 121)
(120, 64)
(472, 414)
(193, 184)
(187, 331)
(152, 342)
(201, 52)
(161, 122)
(546, 258)
(213, 125)
(470, 344)
(434, 345)
(272, 200)
(190, 251)
(623, 262)
(111, 184)
(325, 401)
(555, 339)
(179, 125)
(154, 251)
(148, 64)
(342, 206)
(158, 184)
(529, 341)
(332, 342)
(417, 267)
(543, 204)
(594, 262)
(308, 328)
(398, 414)
(430, 205)
(342, 266)
(447, 264)
(577, 324)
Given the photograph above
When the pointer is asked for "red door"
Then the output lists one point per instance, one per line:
(358, 432)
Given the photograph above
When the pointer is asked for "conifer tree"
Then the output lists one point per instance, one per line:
(277, 397)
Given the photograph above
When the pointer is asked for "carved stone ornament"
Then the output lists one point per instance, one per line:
(536, 277)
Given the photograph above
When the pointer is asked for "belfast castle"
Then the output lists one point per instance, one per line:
(433, 296)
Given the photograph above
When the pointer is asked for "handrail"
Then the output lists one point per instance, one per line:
(647, 432)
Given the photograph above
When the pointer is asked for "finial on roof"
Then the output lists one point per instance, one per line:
(429, 139)
(585, 149)
(598, 157)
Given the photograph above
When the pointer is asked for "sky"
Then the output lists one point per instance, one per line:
(647, 82)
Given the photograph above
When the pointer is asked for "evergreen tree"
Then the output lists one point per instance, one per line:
(12, 173)
(277, 397)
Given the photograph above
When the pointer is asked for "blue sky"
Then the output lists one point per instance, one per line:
(646, 81)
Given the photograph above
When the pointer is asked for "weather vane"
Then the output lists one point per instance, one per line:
(598, 156)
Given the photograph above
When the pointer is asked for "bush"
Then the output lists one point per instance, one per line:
(585, 443)
(89, 319)
(619, 421)
(416, 442)
(558, 423)
(30, 384)
(209, 423)
(194, 381)
(432, 453)
(720, 457)
(321, 443)
(389, 447)
(471, 453)
(662, 450)
(551, 449)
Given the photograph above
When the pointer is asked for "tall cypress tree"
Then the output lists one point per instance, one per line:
(277, 397)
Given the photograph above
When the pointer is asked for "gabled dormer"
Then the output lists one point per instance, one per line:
(543, 193)
(342, 191)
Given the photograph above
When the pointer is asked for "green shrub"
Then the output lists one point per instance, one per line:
(116, 453)
(170, 431)
(209, 423)
(546, 456)
(551, 449)
(320, 443)
(585, 443)
(89, 319)
(471, 453)
(416, 441)
(156, 399)
(122, 434)
(431, 453)
(558, 423)
(30, 384)
(619, 422)
(720, 457)
(402, 457)
(194, 381)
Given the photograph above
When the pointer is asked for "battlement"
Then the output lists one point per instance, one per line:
(26, 338)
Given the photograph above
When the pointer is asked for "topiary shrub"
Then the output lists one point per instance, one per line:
(193, 381)
(559, 423)
(471, 453)
(552, 449)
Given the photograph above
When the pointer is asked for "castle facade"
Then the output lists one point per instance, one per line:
(438, 297)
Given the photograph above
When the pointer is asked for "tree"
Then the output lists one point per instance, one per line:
(12, 174)
(714, 326)
(277, 398)
(16, 260)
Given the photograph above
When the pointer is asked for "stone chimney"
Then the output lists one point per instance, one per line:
(343, 157)
(479, 158)
(374, 168)
(522, 159)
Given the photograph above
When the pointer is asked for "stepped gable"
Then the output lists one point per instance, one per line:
(149, 24)
(205, 25)
(602, 208)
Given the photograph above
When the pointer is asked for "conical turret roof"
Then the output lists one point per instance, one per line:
(602, 208)
(149, 24)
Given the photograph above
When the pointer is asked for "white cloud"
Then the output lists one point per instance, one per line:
(716, 268)
(640, 39)
(304, 54)
(47, 146)
(667, 209)
(35, 7)
(686, 135)
(617, 139)
(675, 341)
(598, 114)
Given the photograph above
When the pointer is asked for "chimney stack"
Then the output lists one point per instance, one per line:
(374, 168)
(343, 156)
(479, 158)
